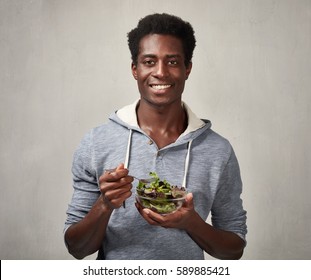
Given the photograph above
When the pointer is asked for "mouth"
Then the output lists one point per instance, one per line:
(160, 87)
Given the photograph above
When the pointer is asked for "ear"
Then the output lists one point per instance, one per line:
(134, 71)
(188, 70)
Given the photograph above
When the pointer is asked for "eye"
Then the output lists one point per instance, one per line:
(149, 62)
(173, 62)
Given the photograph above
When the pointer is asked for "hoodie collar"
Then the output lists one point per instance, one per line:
(128, 115)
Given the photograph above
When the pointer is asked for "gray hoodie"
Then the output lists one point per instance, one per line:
(200, 160)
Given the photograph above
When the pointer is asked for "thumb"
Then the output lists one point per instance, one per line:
(120, 166)
(189, 200)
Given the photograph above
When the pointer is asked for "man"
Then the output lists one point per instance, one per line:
(157, 133)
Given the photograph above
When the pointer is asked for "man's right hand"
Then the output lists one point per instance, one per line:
(115, 186)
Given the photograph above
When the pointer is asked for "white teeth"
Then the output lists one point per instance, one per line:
(160, 86)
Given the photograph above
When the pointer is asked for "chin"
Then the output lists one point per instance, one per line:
(160, 101)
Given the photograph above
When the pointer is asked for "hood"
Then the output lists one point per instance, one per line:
(126, 116)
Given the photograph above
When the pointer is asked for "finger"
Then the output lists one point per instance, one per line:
(154, 217)
(116, 200)
(119, 173)
(112, 204)
(106, 174)
(111, 170)
(113, 175)
(111, 191)
(189, 201)
(120, 167)
(144, 214)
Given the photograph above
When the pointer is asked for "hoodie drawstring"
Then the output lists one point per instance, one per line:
(184, 183)
(128, 151)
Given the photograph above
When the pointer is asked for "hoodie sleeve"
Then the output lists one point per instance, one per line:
(227, 210)
(85, 184)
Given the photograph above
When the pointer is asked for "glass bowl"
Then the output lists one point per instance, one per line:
(159, 205)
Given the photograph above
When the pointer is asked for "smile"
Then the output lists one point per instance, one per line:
(159, 87)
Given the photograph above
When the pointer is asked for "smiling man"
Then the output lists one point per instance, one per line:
(160, 70)
(157, 133)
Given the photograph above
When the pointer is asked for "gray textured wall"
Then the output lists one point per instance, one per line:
(65, 66)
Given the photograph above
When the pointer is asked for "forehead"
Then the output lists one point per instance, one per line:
(158, 44)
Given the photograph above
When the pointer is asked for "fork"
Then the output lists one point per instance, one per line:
(146, 181)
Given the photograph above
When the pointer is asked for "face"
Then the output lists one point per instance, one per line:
(160, 71)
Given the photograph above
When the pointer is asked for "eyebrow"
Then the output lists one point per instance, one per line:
(167, 56)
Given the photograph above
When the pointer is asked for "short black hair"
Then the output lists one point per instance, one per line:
(162, 24)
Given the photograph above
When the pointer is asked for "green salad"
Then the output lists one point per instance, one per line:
(159, 195)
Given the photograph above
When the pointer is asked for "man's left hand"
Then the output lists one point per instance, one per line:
(179, 219)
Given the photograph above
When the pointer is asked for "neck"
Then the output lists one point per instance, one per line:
(163, 124)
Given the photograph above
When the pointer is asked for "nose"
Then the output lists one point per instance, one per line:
(161, 70)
